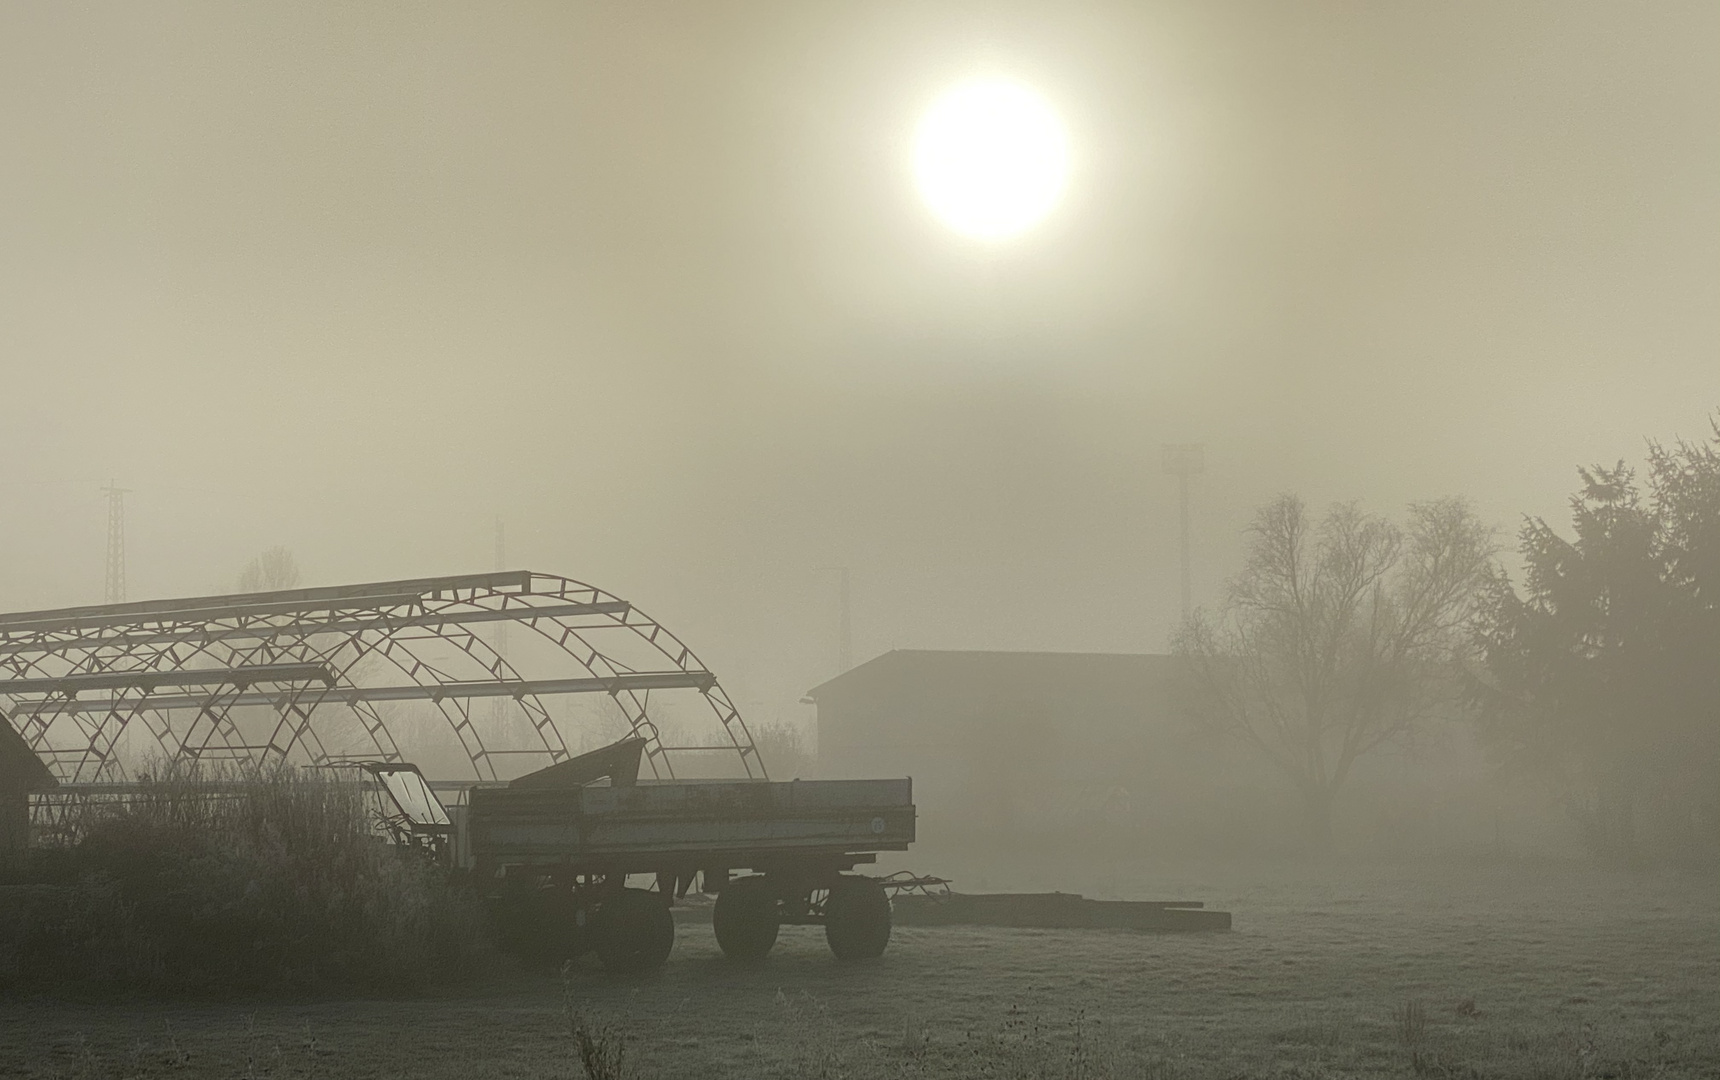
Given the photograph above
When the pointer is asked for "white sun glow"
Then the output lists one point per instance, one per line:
(991, 158)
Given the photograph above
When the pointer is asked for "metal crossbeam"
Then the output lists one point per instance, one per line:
(203, 632)
(250, 675)
(515, 688)
(375, 594)
(97, 619)
(130, 660)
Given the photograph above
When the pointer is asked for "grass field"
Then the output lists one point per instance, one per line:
(1549, 971)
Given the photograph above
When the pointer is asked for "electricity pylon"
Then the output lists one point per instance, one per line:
(845, 619)
(498, 705)
(501, 564)
(1184, 460)
(114, 593)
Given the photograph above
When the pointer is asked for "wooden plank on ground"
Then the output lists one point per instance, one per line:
(1056, 911)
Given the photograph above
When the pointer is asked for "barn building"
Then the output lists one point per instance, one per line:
(1009, 737)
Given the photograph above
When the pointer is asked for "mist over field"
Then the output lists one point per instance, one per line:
(1261, 454)
(652, 285)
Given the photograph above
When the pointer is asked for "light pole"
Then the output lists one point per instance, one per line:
(1184, 460)
(845, 628)
(499, 706)
(114, 592)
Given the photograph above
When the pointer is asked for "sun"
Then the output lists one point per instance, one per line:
(991, 158)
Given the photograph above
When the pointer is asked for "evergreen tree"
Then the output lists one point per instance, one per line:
(1603, 672)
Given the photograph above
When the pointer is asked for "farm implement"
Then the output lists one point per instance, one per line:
(553, 853)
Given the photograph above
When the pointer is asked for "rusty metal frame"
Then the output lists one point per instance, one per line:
(214, 653)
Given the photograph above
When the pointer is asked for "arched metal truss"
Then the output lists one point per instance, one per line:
(307, 675)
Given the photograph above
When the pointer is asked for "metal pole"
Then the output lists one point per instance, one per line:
(844, 616)
(501, 564)
(845, 641)
(1184, 460)
(114, 591)
(1187, 586)
(499, 707)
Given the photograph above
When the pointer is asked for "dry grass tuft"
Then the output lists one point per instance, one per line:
(600, 1046)
(602, 1049)
(1411, 1019)
(916, 1040)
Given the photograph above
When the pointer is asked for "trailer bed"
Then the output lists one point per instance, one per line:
(710, 822)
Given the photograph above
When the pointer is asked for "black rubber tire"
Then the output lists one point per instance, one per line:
(633, 932)
(857, 918)
(746, 919)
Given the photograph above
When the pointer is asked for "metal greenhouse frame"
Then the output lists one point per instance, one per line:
(196, 674)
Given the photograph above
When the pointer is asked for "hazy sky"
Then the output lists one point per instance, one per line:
(651, 283)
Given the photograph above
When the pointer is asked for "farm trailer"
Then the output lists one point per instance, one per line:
(551, 854)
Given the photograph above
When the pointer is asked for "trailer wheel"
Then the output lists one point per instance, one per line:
(746, 919)
(634, 932)
(857, 918)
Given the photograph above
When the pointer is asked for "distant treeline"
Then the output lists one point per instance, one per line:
(1597, 678)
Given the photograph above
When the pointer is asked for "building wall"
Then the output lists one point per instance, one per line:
(996, 731)
(1056, 750)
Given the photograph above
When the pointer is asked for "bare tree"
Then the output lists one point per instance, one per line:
(1337, 637)
(273, 569)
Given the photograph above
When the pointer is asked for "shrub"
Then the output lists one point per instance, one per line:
(785, 751)
(271, 880)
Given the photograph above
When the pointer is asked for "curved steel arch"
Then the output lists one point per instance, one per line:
(75, 680)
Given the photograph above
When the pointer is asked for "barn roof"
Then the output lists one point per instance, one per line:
(993, 671)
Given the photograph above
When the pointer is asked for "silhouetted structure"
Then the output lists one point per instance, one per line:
(21, 772)
(113, 589)
(298, 674)
(992, 732)
(1184, 460)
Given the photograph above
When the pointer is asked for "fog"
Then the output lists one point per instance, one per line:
(656, 305)
(650, 284)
